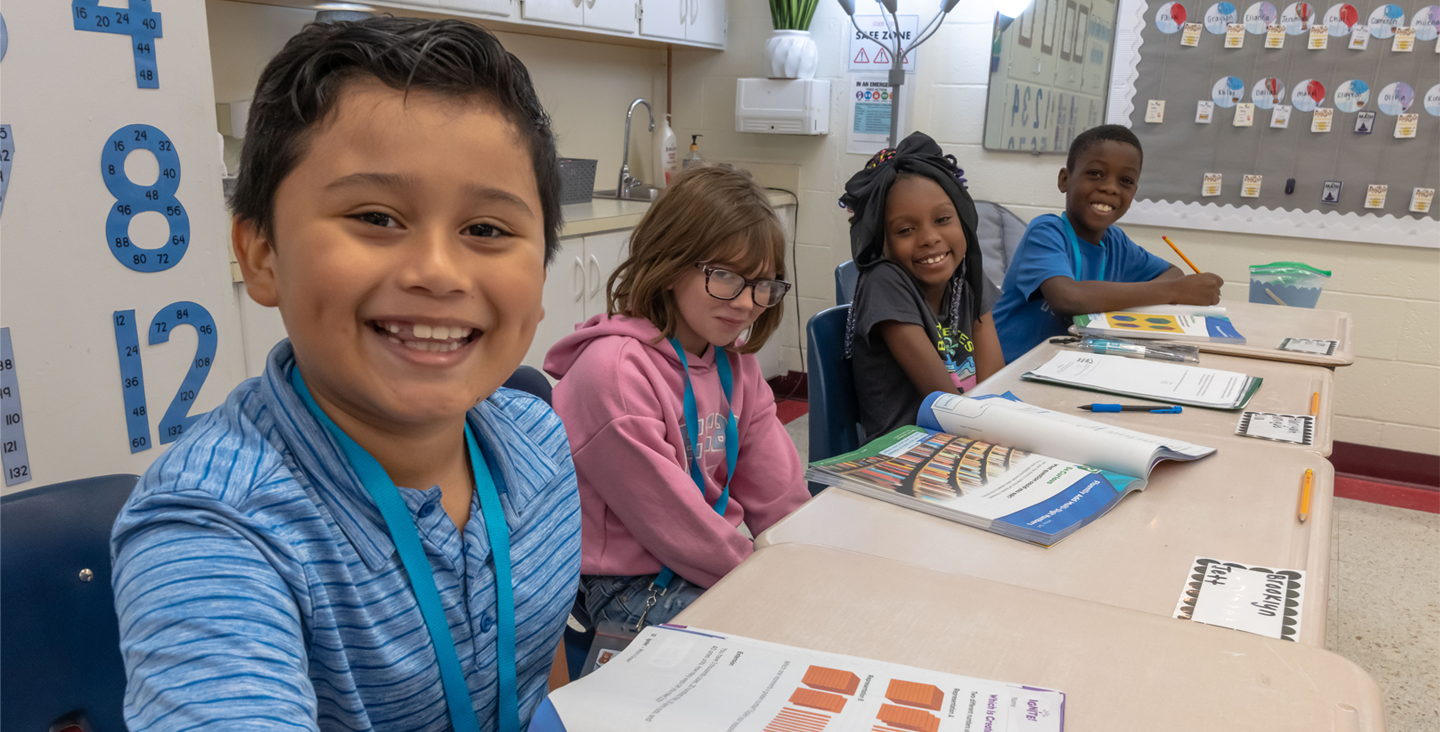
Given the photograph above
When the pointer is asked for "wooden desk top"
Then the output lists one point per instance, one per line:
(1237, 505)
(1122, 671)
(1287, 389)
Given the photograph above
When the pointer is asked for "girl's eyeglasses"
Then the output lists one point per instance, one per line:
(722, 284)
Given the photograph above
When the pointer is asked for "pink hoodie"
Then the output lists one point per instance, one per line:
(621, 397)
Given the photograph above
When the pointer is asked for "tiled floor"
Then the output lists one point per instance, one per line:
(1384, 609)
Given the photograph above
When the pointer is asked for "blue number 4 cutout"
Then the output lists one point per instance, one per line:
(138, 21)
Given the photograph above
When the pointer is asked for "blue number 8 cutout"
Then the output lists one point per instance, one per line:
(137, 21)
(131, 199)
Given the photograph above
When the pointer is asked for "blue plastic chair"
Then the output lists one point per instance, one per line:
(60, 653)
(845, 277)
(529, 379)
(834, 408)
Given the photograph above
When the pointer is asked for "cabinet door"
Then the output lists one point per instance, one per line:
(603, 255)
(664, 18)
(616, 15)
(568, 12)
(502, 8)
(706, 22)
(563, 298)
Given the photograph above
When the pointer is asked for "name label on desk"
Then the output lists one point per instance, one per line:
(1317, 346)
(1254, 599)
(1295, 428)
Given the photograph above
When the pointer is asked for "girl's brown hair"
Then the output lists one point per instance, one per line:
(710, 214)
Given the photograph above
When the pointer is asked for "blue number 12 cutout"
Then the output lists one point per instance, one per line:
(177, 418)
(137, 21)
(131, 199)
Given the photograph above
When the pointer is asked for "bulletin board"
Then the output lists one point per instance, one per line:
(120, 323)
(1196, 169)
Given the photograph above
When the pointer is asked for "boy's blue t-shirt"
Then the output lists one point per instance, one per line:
(1022, 317)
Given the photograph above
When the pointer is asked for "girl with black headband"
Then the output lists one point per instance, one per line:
(920, 321)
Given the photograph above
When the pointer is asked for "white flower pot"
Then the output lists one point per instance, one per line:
(791, 54)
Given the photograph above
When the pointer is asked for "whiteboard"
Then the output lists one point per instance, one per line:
(67, 92)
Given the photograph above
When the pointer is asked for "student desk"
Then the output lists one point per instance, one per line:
(1237, 505)
(1265, 327)
(1287, 389)
(1121, 670)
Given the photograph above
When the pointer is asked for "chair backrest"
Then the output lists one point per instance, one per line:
(845, 276)
(60, 652)
(834, 408)
(1000, 231)
(529, 379)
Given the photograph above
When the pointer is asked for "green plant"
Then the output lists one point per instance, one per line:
(792, 14)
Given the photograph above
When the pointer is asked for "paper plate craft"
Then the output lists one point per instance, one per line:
(1267, 92)
(1340, 18)
(1432, 101)
(1227, 91)
(1308, 95)
(1258, 17)
(1170, 17)
(1297, 18)
(1426, 23)
(1219, 16)
(1384, 20)
(1352, 95)
(1396, 98)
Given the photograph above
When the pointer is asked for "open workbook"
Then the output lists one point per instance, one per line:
(1179, 323)
(674, 678)
(1012, 468)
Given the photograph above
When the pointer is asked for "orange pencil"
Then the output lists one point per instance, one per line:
(1305, 494)
(1182, 254)
(1315, 403)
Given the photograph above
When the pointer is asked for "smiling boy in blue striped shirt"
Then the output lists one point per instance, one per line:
(284, 566)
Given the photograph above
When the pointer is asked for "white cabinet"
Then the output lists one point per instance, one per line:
(695, 21)
(575, 287)
(613, 15)
(501, 8)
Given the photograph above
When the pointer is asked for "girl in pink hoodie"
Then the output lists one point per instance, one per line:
(672, 426)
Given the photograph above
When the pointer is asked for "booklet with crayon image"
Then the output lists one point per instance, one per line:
(1015, 469)
(1163, 322)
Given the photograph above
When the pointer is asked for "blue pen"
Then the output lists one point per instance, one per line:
(1175, 409)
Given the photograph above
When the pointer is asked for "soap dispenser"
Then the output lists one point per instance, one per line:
(666, 153)
(694, 158)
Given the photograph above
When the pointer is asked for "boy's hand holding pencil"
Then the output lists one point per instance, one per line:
(1201, 288)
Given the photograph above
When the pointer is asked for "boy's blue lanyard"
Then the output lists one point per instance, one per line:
(1075, 248)
(397, 517)
(692, 431)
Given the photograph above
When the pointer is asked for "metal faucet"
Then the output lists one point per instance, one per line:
(625, 182)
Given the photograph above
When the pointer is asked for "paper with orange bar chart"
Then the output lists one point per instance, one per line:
(676, 678)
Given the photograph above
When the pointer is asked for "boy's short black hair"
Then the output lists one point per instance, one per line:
(302, 84)
(1096, 135)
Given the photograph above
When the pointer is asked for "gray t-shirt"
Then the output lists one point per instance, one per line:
(884, 293)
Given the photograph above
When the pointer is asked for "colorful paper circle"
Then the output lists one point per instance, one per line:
(1352, 95)
(1426, 23)
(1170, 17)
(1308, 95)
(1396, 98)
(1227, 91)
(1218, 16)
(1432, 101)
(1340, 18)
(1268, 92)
(1259, 16)
(1384, 20)
(1297, 18)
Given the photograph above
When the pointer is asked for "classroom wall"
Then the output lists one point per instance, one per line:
(1390, 397)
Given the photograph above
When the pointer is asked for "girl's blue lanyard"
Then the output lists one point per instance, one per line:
(422, 579)
(1075, 249)
(692, 431)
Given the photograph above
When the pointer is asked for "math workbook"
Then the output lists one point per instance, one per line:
(675, 678)
(1011, 468)
(1204, 325)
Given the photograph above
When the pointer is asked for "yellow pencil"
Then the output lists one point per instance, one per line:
(1314, 403)
(1182, 254)
(1305, 494)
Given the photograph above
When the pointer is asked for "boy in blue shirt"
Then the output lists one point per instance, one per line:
(284, 565)
(1081, 262)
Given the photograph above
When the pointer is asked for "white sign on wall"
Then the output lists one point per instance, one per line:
(872, 45)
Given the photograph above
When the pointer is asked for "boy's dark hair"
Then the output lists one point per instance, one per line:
(1096, 135)
(302, 84)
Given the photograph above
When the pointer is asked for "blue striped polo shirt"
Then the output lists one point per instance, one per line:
(257, 587)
